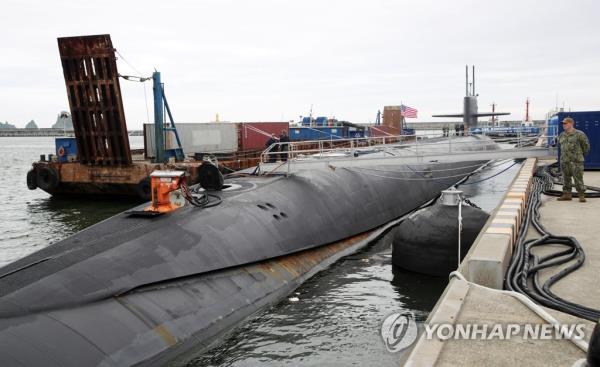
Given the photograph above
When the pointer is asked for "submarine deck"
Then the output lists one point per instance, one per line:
(465, 303)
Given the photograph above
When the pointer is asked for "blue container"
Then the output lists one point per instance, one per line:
(306, 121)
(318, 133)
(299, 134)
(321, 121)
(354, 133)
(589, 123)
(66, 149)
(552, 129)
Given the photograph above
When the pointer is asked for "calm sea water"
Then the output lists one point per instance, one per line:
(30, 220)
(332, 319)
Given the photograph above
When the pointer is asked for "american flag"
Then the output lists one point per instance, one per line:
(408, 112)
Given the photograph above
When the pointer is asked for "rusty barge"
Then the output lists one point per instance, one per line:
(98, 161)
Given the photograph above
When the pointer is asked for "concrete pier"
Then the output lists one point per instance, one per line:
(480, 299)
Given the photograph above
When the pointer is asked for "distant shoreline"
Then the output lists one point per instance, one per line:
(41, 132)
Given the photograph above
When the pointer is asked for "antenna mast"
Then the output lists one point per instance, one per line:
(467, 80)
(474, 80)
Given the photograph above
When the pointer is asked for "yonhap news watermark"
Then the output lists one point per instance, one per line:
(399, 331)
(504, 331)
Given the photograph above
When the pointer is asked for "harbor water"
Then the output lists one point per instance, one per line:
(31, 220)
(332, 319)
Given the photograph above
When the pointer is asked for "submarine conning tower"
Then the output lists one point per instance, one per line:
(470, 108)
(471, 114)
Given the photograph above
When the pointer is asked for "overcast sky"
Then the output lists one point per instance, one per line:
(264, 60)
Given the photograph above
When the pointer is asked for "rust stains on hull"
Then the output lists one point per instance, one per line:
(297, 264)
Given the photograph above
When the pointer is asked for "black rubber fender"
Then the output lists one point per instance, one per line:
(144, 189)
(593, 356)
(427, 241)
(32, 180)
(47, 178)
(209, 177)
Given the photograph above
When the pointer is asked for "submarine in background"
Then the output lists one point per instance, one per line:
(135, 290)
(471, 112)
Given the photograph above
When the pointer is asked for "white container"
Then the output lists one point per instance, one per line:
(212, 137)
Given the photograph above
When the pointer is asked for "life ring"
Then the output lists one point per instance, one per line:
(61, 151)
(144, 189)
(47, 178)
(32, 180)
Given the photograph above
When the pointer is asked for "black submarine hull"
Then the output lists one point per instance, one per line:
(131, 290)
(160, 324)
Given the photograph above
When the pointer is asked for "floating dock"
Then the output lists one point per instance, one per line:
(479, 299)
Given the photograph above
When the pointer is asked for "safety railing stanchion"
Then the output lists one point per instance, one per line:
(416, 145)
(321, 149)
(289, 159)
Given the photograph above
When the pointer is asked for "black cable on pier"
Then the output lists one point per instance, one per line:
(523, 272)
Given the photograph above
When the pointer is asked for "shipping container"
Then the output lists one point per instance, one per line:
(589, 123)
(254, 135)
(214, 137)
(318, 133)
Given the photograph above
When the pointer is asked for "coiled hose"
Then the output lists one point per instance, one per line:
(558, 180)
(199, 199)
(523, 272)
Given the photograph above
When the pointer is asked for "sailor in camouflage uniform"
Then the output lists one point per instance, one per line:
(574, 146)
